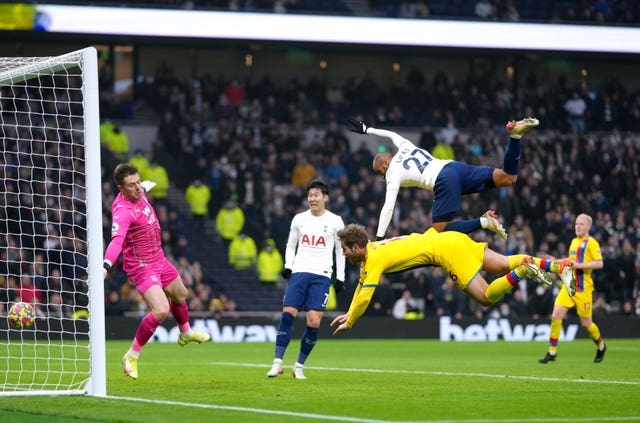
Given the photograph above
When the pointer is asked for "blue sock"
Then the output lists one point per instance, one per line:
(283, 334)
(464, 226)
(511, 163)
(307, 343)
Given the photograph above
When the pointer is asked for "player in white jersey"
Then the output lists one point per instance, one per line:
(448, 179)
(309, 265)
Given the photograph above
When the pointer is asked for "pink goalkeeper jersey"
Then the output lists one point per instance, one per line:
(136, 232)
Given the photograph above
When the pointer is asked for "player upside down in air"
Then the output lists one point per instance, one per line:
(459, 256)
(411, 166)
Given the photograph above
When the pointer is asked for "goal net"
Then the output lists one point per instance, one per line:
(51, 225)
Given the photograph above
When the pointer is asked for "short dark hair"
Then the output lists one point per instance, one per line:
(318, 184)
(353, 234)
(122, 171)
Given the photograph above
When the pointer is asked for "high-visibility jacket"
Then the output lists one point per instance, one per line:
(118, 144)
(142, 164)
(242, 252)
(270, 262)
(229, 222)
(158, 174)
(198, 197)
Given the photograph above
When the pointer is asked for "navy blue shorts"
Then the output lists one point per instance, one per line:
(307, 291)
(455, 180)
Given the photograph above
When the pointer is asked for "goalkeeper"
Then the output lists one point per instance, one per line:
(448, 179)
(459, 256)
(136, 233)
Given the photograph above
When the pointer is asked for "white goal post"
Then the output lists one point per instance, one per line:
(51, 241)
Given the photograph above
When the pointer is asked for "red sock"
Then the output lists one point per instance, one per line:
(146, 329)
(181, 314)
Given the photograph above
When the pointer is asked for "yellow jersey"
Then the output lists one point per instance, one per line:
(460, 257)
(584, 250)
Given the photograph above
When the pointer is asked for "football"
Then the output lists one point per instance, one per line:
(22, 315)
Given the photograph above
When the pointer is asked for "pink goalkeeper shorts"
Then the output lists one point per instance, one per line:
(161, 273)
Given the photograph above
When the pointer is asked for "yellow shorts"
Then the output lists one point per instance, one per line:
(461, 258)
(582, 301)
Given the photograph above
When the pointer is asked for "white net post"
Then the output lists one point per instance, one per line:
(51, 225)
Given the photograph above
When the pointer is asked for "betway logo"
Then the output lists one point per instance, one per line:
(496, 329)
(238, 333)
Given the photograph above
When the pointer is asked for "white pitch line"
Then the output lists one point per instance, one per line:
(362, 420)
(254, 410)
(422, 372)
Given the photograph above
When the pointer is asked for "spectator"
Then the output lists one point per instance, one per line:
(303, 171)
(403, 305)
(270, 262)
(449, 300)
(576, 108)
(159, 175)
(484, 9)
(198, 196)
(243, 252)
(230, 220)
(117, 142)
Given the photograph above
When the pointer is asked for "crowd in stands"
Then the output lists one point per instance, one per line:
(255, 143)
(43, 248)
(602, 12)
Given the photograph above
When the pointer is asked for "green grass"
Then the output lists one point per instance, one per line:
(358, 381)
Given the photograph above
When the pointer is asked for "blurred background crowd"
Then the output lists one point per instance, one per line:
(234, 151)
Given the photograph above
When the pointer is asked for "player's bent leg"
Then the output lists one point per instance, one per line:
(477, 290)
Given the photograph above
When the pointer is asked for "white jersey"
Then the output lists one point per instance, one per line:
(410, 167)
(315, 239)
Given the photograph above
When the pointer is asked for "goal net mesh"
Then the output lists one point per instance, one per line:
(43, 224)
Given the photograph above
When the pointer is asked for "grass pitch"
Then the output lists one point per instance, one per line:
(358, 381)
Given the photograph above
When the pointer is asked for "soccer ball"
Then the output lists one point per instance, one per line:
(22, 315)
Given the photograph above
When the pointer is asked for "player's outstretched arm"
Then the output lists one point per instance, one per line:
(360, 127)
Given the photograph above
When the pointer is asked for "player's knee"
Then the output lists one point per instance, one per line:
(161, 314)
(503, 179)
(507, 179)
(180, 294)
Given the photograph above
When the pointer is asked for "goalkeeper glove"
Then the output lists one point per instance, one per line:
(286, 273)
(105, 269)
(147, 185)
(357, 126)
(338, 285)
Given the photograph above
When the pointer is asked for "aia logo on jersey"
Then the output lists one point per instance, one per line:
(313, 240)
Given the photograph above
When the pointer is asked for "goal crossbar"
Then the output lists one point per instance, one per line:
(44, 66)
